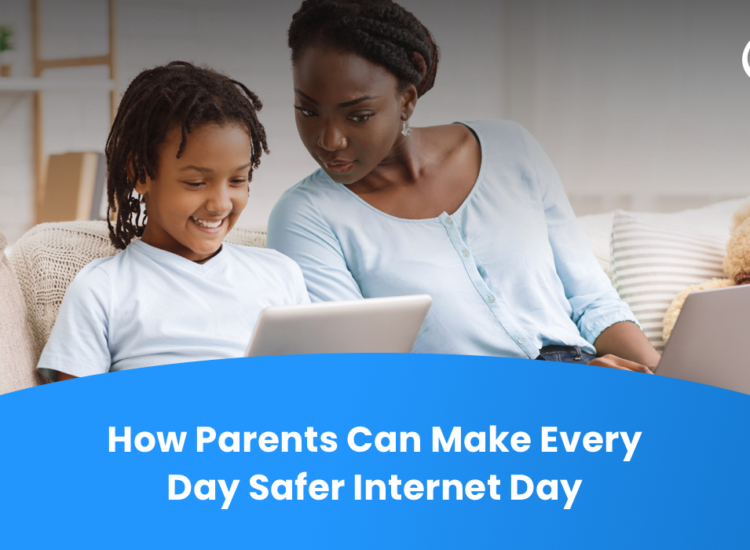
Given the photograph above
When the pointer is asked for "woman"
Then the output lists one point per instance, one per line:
(473, 214)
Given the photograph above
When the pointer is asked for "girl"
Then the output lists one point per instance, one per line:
(473, 214)
(185, 140)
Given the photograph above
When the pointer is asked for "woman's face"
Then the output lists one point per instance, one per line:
(349, 111)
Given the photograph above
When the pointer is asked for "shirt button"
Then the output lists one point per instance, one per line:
(448, 220)
(466, 253)
(491, 299)
(522, 340)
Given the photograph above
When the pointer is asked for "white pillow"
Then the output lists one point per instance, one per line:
(652, 265)
(598, 228)
(713, 220)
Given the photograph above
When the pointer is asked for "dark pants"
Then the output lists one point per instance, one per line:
(565, 354)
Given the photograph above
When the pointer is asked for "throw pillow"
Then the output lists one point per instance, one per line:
(653, 264)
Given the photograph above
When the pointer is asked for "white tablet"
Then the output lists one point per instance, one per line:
(372, 325)
(709, 343)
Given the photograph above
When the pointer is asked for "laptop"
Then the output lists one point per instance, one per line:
(371, 325)
(710, 342)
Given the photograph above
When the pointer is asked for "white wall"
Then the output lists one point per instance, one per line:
(245, 39)
(16, 171)
(640, 104)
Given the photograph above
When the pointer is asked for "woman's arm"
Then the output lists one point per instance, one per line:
(65, 376)
(626, 340)
(601, 316)
(299, 230)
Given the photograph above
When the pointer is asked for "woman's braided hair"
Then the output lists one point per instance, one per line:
(381, 31)
(156, 100)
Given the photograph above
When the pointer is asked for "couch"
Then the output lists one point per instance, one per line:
(18, 355)
(47, 258)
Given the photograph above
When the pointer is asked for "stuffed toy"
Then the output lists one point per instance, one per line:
(736, 267)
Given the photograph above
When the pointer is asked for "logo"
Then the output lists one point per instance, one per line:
(745, 62)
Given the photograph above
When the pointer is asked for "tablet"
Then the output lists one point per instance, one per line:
(371, 325)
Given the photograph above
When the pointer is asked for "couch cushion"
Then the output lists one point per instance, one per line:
(17, 353)
(652, 265)
(49, 256)
(598, 228)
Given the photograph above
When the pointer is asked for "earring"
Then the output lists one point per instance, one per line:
(405, 130)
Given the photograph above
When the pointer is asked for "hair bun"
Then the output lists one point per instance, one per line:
(428, 77)
(381, 31)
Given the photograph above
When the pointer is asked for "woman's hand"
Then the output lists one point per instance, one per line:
(613, 362)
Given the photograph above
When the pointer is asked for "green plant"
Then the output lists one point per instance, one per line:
(6, 37)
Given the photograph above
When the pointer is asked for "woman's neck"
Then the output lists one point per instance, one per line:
(405, 165)
(430, 172)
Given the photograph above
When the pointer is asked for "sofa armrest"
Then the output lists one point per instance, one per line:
(18, 355)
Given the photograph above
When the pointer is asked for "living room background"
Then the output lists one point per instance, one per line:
(641, 105)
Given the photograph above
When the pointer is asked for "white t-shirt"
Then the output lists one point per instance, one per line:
(147, 307)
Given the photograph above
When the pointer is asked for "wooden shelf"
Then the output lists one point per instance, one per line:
(38, 85)
(26, 84)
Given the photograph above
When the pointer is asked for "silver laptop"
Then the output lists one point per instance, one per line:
(710, 342)
(372, 325)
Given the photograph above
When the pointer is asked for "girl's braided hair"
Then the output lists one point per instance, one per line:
(381, 31)
(156, 100)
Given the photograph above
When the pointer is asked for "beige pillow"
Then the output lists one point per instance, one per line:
(17, 355)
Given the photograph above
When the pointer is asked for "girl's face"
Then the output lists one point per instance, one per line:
(196, 199)
(349, 112)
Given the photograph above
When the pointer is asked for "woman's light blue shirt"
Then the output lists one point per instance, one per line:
(509, 272)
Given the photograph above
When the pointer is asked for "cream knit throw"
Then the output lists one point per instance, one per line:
(17, 355)
(48, 257)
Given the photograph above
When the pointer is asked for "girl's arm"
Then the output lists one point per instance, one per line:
(65, 376)
(79, 340)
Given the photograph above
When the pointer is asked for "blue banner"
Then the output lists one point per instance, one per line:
(375, 451)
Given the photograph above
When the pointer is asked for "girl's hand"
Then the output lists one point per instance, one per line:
(613, 362)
